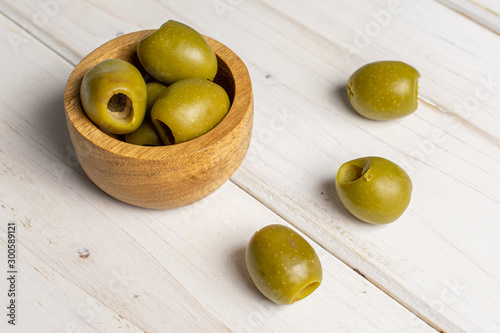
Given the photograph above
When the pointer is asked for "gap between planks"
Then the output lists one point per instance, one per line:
(467, 14)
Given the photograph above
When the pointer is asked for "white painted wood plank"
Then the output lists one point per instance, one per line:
(49, 302)
(304, 131)
(484, 12)
(180, 270)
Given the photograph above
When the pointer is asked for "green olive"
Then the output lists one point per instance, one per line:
(145, 135)
(113, 95)
(155, 90)
(374, 189)
(188, 109)
(176, 51)
(282, 264)
(384, 90)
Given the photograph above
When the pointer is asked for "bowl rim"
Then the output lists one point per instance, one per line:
(242, 104)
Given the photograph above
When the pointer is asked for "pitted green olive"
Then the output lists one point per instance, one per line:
(155, 90)
(176, 51)
(188, 109)
(384, 90)
(374, 189)
(145, 135)
(113, 95)
(282, 264)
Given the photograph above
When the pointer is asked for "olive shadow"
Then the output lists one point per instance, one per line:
(241, 268)
(340, 93)
(330, 191)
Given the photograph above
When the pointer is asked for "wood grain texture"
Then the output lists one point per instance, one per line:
(439, 259)
(484, 12)
(167, 176)
(179, 270)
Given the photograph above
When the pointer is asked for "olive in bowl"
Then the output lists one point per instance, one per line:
(282, 264)
(164, 176)
(114, 96)
(374, 189)
(189, 108)
(146, 134)
(176, 51)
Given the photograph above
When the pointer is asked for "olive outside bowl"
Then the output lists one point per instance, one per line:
(165, 176)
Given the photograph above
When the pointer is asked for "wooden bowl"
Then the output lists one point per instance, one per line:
(166, 176)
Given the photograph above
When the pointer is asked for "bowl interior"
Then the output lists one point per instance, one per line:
(238, 88)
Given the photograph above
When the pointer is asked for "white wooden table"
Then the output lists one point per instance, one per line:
(183, 270)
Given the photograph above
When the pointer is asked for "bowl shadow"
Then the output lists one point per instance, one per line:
(51, 122)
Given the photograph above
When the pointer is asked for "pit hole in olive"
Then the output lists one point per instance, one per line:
(120, 106)
(167, 133)
(306, 291)
(349, 173)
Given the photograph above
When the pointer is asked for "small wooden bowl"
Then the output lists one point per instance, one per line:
(166, 176)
